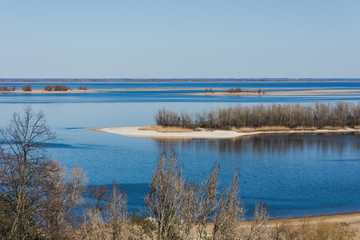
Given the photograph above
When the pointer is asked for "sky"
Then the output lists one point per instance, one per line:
(179, 39)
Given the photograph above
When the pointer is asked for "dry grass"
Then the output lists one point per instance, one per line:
(333, 127)
(305, 128)
(279, 128)
(261, 129)
(163, 129)
(326, 231)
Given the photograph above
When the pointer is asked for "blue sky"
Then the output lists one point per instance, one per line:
(179, 39)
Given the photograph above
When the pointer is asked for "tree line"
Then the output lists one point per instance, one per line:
(7, 89)
(317, 115)
(48, 87)
(40, 200)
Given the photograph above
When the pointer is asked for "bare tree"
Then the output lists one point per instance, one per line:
(94, 226)
(199, 203)
(118, 214)
(229, 211)
(36, 196)
(48, 88)
(27, 88)
(64, 196)
(259, 226)
(165, 199)
(207, 202)
(22, 170)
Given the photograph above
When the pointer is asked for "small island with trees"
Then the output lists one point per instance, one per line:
(240, 121)
(48, 88)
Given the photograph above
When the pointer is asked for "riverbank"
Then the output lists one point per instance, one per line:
(207, 134)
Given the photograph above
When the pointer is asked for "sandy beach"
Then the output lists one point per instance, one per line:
(205, 134)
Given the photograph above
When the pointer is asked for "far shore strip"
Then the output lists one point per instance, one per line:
(278, 93)
(200, 92)
(205, 134)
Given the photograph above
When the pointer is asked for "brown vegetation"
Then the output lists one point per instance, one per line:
(27, 88)
(293, 116)
(209, 90)
(234, 90)
(48, 88)
(261, 129)
(36, 197)
(7, 89)
(164, 129)
(61, 88)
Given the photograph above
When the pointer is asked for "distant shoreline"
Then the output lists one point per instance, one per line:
(222, 93)
(278, 93)
(206, 134)
(164, 80)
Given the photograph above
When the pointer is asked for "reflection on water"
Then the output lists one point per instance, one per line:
(270, 145)
(295, 174)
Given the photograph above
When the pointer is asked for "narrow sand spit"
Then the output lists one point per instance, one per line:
(203, 134)
(42, 91)
(280, 93)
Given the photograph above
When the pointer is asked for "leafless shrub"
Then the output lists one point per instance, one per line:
(61, 88)
(23, 166)
(97, 197)
(234, 90)
(118, 214)
(48, 88)
(36, 197)
(259, 226)
(64, 196)
(27, 88)
(95, 227)
(229, 211)
(143, 227)
(167, 118)
(318, 115)
(106, 215)
(207, 202)
(165, 199)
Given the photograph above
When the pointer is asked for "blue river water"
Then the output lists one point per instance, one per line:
(296, 175)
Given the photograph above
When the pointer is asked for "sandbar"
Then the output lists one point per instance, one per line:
(206, 134)
(42, 91)
(279, 93)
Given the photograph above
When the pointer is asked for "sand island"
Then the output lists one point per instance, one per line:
(155, 131)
